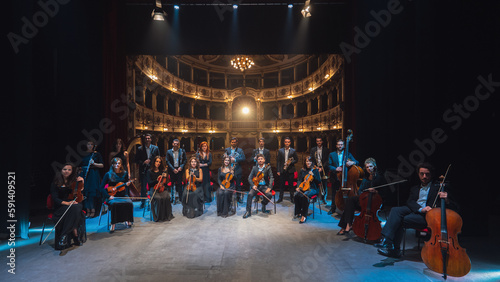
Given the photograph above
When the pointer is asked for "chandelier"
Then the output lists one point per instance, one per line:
(242, 62)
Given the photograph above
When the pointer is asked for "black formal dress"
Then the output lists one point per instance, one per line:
(122, 210)
(192, 201)
(74, 217)
(301, 201)
(205, 184)
(92, 179)
(224, 197)
(161, 207)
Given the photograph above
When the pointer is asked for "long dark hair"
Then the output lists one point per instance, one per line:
(115, 145)
(304, 167)
(59, 178)
(113, 174)
(153, 166)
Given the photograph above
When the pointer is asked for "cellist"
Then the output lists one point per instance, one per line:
(311, 175)
(412, 215)
(161, 206)
(224, 196)
(372, 178)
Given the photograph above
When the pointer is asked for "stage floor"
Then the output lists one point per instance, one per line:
(264, 247)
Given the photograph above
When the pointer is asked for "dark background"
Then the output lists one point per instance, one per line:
(425, 61)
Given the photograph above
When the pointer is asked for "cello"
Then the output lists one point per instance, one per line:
(442, 253)
(348, 177)
(367, 225)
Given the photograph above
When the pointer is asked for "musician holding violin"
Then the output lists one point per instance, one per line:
(161, 207)
(308, 180)
(66, 193)
(372, 179)
(226, 190)
(261, 180)
(237, 158)
(413, 214)
(114, 187)
(192, 197)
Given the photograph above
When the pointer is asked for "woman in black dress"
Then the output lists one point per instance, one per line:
(91, 163)
(192, 201)
(68, 213)
(372, 179)
(224, 197)
(119, 151)
(161, 207)
(205, 158)
(301, 201)
(121, 207)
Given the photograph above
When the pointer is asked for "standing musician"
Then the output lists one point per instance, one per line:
(237, 157)
(121, 207)
(412, 215)
(305, 191)
(91, 163)
(205, 158)
(144, 158)
(264, 186)
(335, 165)
(192, 198)
(224, 196)
(176, 160)
(72, 224)
(120, 151)
(161, 207)
(372, 179)
(319, 157)
(262, 150)
(286, 160)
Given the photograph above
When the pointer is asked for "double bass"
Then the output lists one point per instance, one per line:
(348, 177)
(442, 253)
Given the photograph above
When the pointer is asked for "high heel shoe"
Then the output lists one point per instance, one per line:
(112, 229)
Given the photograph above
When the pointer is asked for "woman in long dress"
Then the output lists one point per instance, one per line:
(192, 201)
(205, 158)
(91, 163)
(302, 197)
(161, 207)
(224, 196)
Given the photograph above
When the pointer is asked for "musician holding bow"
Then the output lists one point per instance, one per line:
(307, 186)
(157, 177)
(192, 197)
(237, 158)
(225, 179)
(264, 185)
(144, 158)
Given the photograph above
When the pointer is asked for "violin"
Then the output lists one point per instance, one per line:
(119, 187)
(258, 177)
(349, 178)
(160, 186)
(287, 163)
(442, 253)
(306, 183)
(76, 192)
(191, 186)
(227, 181)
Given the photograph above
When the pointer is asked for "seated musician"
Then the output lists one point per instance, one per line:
(412, 215)
(372, 179)
(303, 195)
(121, 207)
(264, 186)
(192, 197)
(224, 195)
(161, 207)
(72, 225)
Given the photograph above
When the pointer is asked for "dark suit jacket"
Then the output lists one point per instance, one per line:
(268, 176)
(267, 155)
(325, 153)
(414, 195)
(333, 160)
(280, 162)
(170, 159)
(142, 155)
(239, 159)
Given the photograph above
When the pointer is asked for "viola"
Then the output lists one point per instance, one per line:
(160, 186)
(259, 176)
(349, 178)
(306, 183)
(76, 192)
(119, 187)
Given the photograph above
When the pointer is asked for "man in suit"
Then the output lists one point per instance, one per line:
(264, 186)
(237, 157)
(285, 166)
(144, 158)
(262, 150)
(176, 160)
(335, 165)
(319, 157)
(421, 200)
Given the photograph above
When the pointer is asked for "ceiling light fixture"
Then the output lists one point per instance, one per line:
(242, 62)
(306, 11)
(158, 13)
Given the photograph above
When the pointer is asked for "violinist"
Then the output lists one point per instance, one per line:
(90, 164)
(372, 179)
(335, 165)
(412, 215)
(205, 158)
(224, 196)
(122, 208)
(237, 158)
(264, 186)
(161, 207)
(72, 224)
(192, 197)
(310, 179)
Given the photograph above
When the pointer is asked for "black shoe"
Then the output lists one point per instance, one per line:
(279, 201)
(383, 244)
(332, 210)
(390, 252)
(247, 214)
(76, 241)
(264, 210)
(63, 243)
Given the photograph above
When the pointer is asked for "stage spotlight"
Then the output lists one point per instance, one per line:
(290, 6)
(176, 7)
(158, 14)
(245, 110)
(306, 11)
(235, 6)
